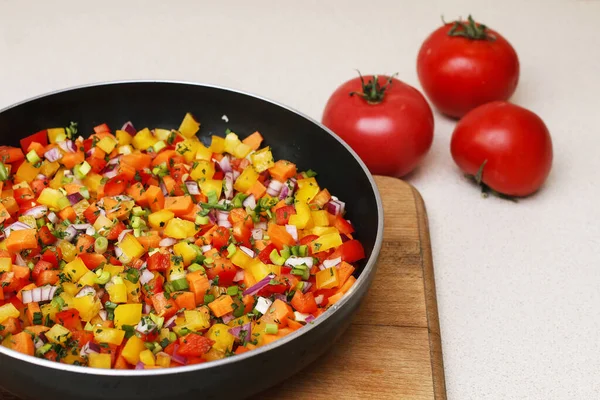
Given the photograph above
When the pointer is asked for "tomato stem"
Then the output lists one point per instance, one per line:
(372, 91)
(470, 30)
(485, 189)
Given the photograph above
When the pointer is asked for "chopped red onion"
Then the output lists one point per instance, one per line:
(128, 127)
(252, 290)
(239, 276)
(167, 242)
(236, 174)
(228, 186)
(53, 155)
(17, 226)
(293, 231)
(67, 146)
(178, 358)
(321, 267)
(19, 260)
(112, 163)
(284, 192)
(250, 202)
(274, 188)
(224, 164)
(281, 296)
(212, 216)
(147, 307)
(309, 319)
(163, 188)
(306, 287)
(335, 207)
(206, 248)
(192, 187)
(118, 252)
(223, 219)
(227, 318)
(88, 348)
(225, 224)
(71, 232)
(37, 211)
(263, 304)
(257, 234)
(295, 261)
(39, 294)
(111, 174)
(103, 314)
(332, 263)
(300, 317)
(247, 251)
(37, 342)
(146, 276)
(52, 217)
(170, 322)
(237, 331)
(86, 291)
(81, 227)
(122, 234)
(319, 299)
(140, 365)
(146, 325)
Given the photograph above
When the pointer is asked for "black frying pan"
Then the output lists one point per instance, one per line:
(292, 136)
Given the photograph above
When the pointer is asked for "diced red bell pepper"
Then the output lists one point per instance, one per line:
(194, 345)
(40, 137)
(224, 269)
(282, 214)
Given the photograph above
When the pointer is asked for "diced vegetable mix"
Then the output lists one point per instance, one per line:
(147, 249)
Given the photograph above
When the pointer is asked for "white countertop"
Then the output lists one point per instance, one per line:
(518, 284)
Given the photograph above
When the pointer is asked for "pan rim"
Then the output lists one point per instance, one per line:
(360, 282)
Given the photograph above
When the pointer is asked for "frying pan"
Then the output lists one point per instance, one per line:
(292, 136)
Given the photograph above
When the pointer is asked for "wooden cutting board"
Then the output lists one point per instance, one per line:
(393, 349)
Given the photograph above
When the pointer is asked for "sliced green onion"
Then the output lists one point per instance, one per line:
(276, 258)
(137, 232)
(44, 349)
(212, 197)
(33, 157)
(238, 199)
(158, 146)
(3, 172)
(157, 348)
(196, 267)
(159, 321)
(201, 220)
(271, 329)
(180, 284)
(231, 249)
(208, 260)
(172, 337)
(232, 290)
(102, 277)
(286, 253)
(139, 211)
(84, 192)
(100, 245)
(295, 251)
(82, 170)
(303, 250)
(149, 345)
(304, 273)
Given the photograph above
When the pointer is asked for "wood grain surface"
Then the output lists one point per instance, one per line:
(393, 349)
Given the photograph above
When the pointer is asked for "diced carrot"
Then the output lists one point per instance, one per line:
(126, 171)
(179, 205)
(36, 329)
(192, 214)
(32, 309)
(68, 213)
(283, 170)
(155, 198)
(23, 343)
(206, 237)
(253, 140)
(48, 277)
(138, 161)
(138, 194)
(39, 148)
(258, 190)
(199, 285)
(21, 240)
(163, 306)
(69, 160)
(347, 285)
(221, 305)
(345, 270)
(278, 313)
(169, 183)
(241, 350)
(279, 236)
(149, 242)
(166, 155)
(185, 300)
(21, 272)
(335, 298)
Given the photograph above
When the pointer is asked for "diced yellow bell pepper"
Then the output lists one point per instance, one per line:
(324, 230)
(8, 311)
(80, 207)
(217, 145)
(75, 269)
(147, 357)
(68, 250)
(131, 247)
(275, 269)
(320, 218)
(99, 360)
(163, 360)
(186, 251)
(133, 291)
(242, 150)
(67, 299)
(203, 153)
(48, 310)
(326, 242)
(259, 269)
(231, 142)
(203, 169)
(247, 178)
(72, 359)
(109, 335)
(211, 185)
(302, 216)
(107, 144)
(214, 354)
(70, 288)
(58, 334)
(117, 291)
(5, 264)
(88, 279)
(54, 133)
(92, 181)
(187, 148)
(178, 228)
(189, 126)
(113, 270)
(162, 134)
(160, 218)
(128, 314)
(327, 278)
(307, 189)
(88, 307)
(51, 198)
(49, 168)
(174, 272)
(197, 320)
(223, 339)
(262, 160)
(123, 138)
(132, 350)
(143, 139)
(241, 259)
(102, 223)
(56, 182)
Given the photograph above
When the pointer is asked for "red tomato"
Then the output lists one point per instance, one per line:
(265, 253)
(115, 186)
(242, 234)
(464, 64)
(350, 251)
(220, 238)
(283, 214)
(92, 260)
(159, 262)
(41, 266)
(115, 231)
(510, 144)
(52, 255)
(387, 122)
(41, 137)
(223, 268)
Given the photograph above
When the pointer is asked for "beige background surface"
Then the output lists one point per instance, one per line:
(517, 284)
